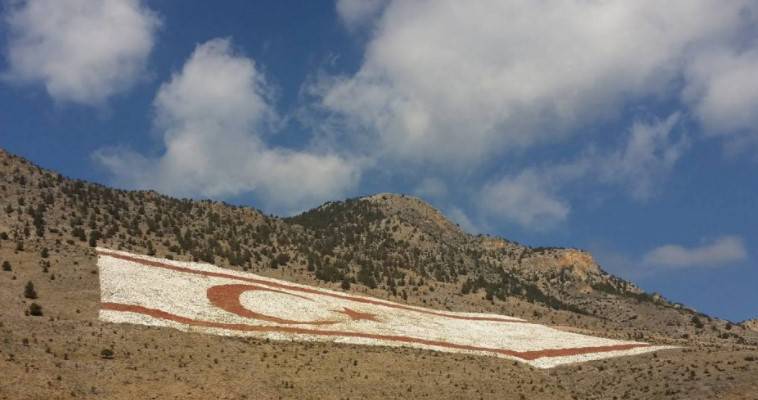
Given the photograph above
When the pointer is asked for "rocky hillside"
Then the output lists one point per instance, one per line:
(395, 245)
(385, 245)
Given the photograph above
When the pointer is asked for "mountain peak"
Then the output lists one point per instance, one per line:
(417, 212)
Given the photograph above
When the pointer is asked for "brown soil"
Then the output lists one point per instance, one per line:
(58, 356)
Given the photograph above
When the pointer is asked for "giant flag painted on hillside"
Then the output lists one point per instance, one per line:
(203, 298)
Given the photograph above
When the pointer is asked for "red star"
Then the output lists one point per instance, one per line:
(357, 315)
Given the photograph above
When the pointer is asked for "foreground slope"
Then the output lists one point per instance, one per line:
(388, 246)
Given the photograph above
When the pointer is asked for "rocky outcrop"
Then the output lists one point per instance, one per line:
(751, 324)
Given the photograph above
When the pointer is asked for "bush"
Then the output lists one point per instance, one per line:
(366, 277)
(29, 291)
(282, 259)
(106, 354)
(35, 310)
(93, 237)
(79, 233)
(330, 273)
(7, 266)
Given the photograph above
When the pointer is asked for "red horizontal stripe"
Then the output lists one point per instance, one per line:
(524, 355)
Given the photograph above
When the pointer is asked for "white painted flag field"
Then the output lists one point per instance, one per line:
(203, 298)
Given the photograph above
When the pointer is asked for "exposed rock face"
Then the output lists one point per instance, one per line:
(751, 324)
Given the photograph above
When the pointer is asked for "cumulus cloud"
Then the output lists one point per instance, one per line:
(525, 199)
(723, 90)
(81, 51)
(647, 158)
(722, 251)
(471, 80)
(534, 197)
(211, 115)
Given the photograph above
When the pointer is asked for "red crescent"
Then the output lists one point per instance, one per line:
(227, 298)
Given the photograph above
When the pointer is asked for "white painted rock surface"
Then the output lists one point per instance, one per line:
(203, 298)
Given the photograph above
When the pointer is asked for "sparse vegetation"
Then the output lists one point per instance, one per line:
(29, 291)
(106, 354)
(35, 310)
(385, 246)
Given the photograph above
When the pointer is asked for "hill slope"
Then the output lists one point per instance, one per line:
(386, 245)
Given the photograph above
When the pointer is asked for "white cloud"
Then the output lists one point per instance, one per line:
(355, 13)
(534, 198)
(211, 114)
(525, 199)
(431, 187)
(647, 158)
(723, 90)
(460, 217)
(81, 51)
(453, 83)
(722, 251)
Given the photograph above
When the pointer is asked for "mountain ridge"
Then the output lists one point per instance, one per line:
(398, 221)
(387, 246)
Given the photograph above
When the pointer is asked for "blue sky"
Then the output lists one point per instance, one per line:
(620, 127)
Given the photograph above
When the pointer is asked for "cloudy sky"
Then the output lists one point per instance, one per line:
(621, 127)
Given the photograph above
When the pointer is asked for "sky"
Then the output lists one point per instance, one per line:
(624, 128)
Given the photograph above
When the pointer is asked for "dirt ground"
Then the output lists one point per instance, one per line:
(60, 355)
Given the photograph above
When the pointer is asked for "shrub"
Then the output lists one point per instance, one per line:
(7, 266)
(29, 291)
(106, 354)
(35, 310)
(282, 259)
(93, 237)
(79, 233)
(330, 273)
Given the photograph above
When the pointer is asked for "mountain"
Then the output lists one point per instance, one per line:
(386, 245)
